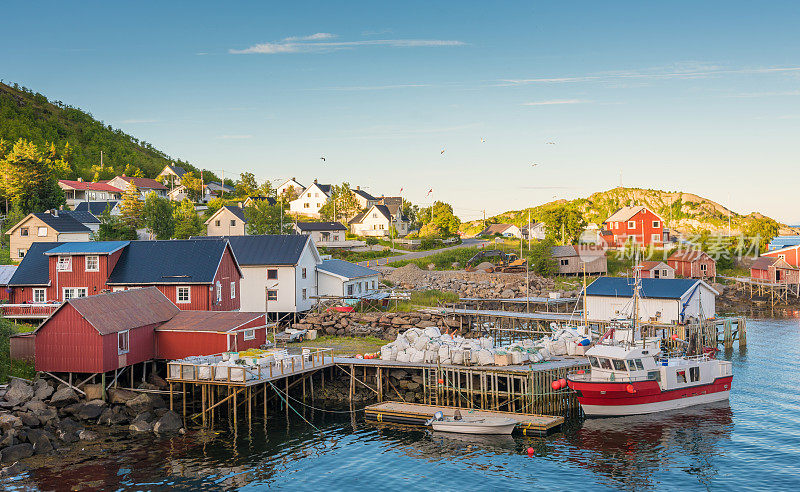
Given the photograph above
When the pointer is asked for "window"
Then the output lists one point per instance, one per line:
(39, 295)
(92, 263)
(219, 291)
(656, 224)
(21, 253)
(656, 273)
(272, 274)
(272, 295)
(593, 361)
(305, 295)
(639, 364)
(41, 231)
(663, 274)
(619, 365)
(183, 295)
(565, 262)
(303, 274)
(335, 237)
(782, 257)
(605, 363)
(123, 346)
(249, 334)
(233, 223)
(216, 223)
(306, 205)
(233, 290)
(64, 264)
(631, 224)
(694, 374)
(350, 290)
(654, 375)
(703, 267)
(73, 292)
(373, 285)
(680, 376)
(23, 231)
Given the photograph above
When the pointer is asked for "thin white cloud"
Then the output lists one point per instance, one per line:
(317, 43)
(768, 94)
(137, 121)
(201, 53)
(374, 87)
(555, 102)
(674, 72)
(234, 137)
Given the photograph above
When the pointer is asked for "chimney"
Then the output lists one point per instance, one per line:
(358, 187)
(294, 179)
(315, 180)
(240, 205)
(80, 180)
(54, 213)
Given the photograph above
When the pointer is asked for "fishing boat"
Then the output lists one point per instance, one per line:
(472, 425)
(631, 376)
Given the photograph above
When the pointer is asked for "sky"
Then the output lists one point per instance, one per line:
(702, 97)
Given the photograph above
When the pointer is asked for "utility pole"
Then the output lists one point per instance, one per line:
(529, 229)
(484, 219)
(223, 183)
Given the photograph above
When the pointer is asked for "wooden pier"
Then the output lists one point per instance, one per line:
(774, 292)
(417, 414)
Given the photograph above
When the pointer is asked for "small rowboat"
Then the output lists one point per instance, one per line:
(474, 425)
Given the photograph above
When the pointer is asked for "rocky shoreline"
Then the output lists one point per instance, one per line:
(381, 325)
(40, 417)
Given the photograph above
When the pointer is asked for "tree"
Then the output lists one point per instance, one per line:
(761, 230)
(438, 220)
(114, 229)
(194, 186)
(263, 218)
(266, 189)
(29, 179)
(410, 211)
(187, 222)
(131, 206)
(157, 216)
(213, 205)
(132, 171)
(564, 223)
(341, 204)
(247, 185)
(540, 258)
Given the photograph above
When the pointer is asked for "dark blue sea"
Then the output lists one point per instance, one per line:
(752, 443)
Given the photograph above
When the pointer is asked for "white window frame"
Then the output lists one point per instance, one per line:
(41, 291)
(631, 224)
(188, 291)
(39, 231)
(73, 290)
(303, 273)
(26, 230)
(21, 252)
(305, 294)
(96, 258)
(272, 270)
(233, 222)
(703, 267)
(656, 224)
(64, 264)
(350, 290)
(656, 238)
(123, 335)
(233, 290)
(216, 223)
(219, 291)
(274, 294)
(250, 334)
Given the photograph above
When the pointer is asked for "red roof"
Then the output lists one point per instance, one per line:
(690, 255)
(88, 185)
(211, 321)
(144, 182)
(649, 265)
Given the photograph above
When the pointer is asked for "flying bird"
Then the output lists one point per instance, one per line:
(322, 158)
(483, 140)
(429, 192)
(534, 164)
(551, 143)
(442, 152)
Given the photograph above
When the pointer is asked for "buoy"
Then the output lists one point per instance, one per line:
(359, 356)
(530, 452)
(674, 336)
(580, 371)
(441, 381)
(556, 385)
(630, 389)
(562, 383)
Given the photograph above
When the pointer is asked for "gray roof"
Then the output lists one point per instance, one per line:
(321, 226)
(187, 261)
(87, 248)
(237, 211)
(34, 269)
(363, 194)
(346, 269)
(562, 251)
(6, 272)
(177, 169)
(81, 216)
(96, 208)
(62, 222)
(270, 249)
(383, 209)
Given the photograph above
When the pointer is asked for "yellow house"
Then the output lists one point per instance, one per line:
(48, 227)
(227, 221)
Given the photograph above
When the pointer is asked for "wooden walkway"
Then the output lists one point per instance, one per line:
(418, 414)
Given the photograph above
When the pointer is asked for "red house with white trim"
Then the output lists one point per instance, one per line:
(638, 224)
(789, 254)
(693, 263)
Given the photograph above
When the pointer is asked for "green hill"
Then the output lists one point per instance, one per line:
(683, 212)
(25, 114)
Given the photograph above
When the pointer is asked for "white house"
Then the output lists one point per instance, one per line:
(290, 185)
(364, 199)
(537, 231)
(377, 221)
(665, 301)
(505, 230)
(322, 232)
(279, 272)
(80, 191)
(171, 176)
(311, 200)
(342, 278)
(229, 220)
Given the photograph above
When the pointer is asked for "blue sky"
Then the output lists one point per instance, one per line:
(698, 96)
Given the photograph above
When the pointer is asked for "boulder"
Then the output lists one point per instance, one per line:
(67, 430)
(10, 421)
(63, 397)
(140, 426)
(42, 389)
(40, 441)
(91, 410)
(93, 391)
(19, 392)
(42, 411)
(169, 422)
(87, 435)
(113, 416)
(16, 452)
(140, 404)
(157, 381)
(29, 419)
(120, 396)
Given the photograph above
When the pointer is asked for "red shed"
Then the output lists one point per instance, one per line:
(656, 269)
(774, 270)
(789, 254)
(638, 224)
(209, 332)
(102, 333)
(693, 263)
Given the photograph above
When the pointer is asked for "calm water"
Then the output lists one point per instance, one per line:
(752, 443)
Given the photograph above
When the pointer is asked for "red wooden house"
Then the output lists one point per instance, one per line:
(97, 334)
(636, 224)
(209, 332)
(194, 274)
(693, 263)
(656, 269)
(789, 254)
(774, 270)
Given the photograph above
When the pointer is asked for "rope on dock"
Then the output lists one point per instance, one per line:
(280, 394)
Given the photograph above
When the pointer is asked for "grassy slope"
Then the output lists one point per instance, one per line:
(7, 368)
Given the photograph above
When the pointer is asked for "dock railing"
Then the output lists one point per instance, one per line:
(309, 358)
(28, 311)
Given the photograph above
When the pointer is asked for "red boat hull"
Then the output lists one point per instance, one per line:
(608, 398)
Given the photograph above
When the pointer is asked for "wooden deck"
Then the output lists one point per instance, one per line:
(418, 414)
(558, 362)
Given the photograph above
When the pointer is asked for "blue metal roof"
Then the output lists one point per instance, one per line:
(88, 248)
(783, 242)
(34, 269)
(656, 288)
(346, 269)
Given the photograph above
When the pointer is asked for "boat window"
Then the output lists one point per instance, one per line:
(593, 361)
(654, 375)
(631, 365)
(681, 376)
(619, 365)
(694, 374)
(605, 363)
(639, 364)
